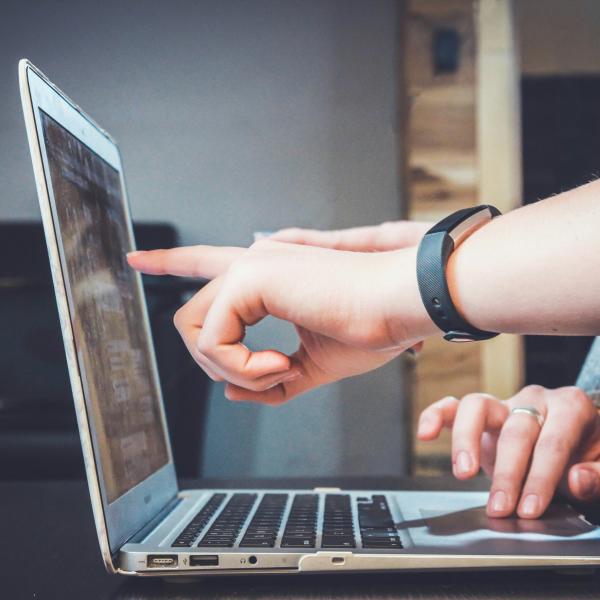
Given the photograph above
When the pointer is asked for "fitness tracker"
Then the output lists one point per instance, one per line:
(432, 257)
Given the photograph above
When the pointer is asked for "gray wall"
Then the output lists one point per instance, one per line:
(234, 117)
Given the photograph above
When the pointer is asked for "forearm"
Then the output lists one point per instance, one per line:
(535, 270)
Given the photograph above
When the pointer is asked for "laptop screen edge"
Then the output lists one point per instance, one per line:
(119, 520)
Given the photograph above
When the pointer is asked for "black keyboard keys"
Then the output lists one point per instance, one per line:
(188, 536)
(377, 527)
(301, 526)
(338, 529)
(227, 526)
(264, 526)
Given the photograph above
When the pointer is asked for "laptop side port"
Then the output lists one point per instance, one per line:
(161, 561)
(204, 560)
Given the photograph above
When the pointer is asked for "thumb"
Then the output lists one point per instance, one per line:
(584, 481)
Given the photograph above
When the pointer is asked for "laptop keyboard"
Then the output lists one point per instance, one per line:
(375, 523)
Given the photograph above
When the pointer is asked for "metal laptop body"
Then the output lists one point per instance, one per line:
(141, 515)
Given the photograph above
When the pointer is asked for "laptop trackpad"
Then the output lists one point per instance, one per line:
(458, 522)
(558, 521)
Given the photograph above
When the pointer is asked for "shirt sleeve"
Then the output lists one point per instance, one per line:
(589, 376)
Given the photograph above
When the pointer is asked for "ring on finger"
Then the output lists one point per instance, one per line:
(531, 411)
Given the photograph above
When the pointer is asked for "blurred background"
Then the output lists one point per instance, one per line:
(242, 116)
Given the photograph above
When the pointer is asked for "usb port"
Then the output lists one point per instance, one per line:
(204, 560)
(161, 561)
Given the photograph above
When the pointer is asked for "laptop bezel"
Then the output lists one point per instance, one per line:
(116, 521)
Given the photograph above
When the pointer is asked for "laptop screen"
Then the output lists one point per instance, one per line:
(107, 313)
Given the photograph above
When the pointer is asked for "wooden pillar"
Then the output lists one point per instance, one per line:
(499, 157)
(463, 138)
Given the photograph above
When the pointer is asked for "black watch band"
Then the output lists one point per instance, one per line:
(432, 257)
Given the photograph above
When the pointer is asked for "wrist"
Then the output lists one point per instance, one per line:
(407, 318)
(467, 275)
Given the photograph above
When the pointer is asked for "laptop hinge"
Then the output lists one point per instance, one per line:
(158, 518)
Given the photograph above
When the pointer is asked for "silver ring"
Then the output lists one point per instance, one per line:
(531, 411)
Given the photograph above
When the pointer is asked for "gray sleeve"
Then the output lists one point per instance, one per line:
(589, 376)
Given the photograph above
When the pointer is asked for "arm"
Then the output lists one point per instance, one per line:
(535, 270)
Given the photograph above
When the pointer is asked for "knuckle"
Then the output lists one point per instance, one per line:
(262, 244)
(533, 390)
(241, 272)
(294, 231)
(475, 400)
(387, 228)
(445, 402)
(204, 345)
(575, 398)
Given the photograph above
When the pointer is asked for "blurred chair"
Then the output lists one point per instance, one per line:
(38, 433)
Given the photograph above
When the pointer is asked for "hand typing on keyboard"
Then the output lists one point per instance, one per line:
(532, 445)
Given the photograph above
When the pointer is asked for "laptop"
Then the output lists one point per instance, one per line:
(146, 524)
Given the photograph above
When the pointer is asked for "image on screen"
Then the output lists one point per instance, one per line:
(106, 310)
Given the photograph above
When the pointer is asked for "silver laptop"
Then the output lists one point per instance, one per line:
(148, 526)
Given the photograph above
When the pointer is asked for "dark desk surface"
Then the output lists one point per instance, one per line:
(49, 550)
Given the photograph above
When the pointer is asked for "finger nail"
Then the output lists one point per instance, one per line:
(530, 505)
(586, 481)
(291, 376)
(134, 253)
(499, 502)
(464, 464)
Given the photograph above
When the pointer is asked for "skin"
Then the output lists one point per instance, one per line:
(354, 299)
(528, 464)
(280, 278)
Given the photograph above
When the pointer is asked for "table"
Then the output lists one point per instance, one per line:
(49, 550)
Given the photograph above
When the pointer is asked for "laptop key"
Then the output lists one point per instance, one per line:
(302, 542)
(257, 544)
(330, 541)
(380, 544)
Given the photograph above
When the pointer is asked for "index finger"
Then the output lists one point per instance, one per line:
(188, 261)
